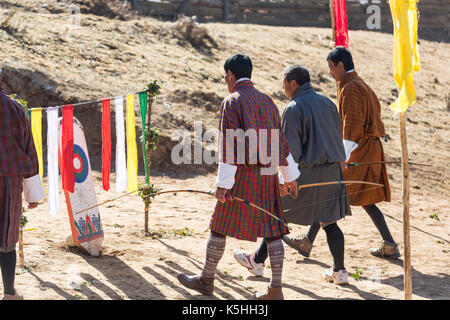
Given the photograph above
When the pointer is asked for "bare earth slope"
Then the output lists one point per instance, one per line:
(49, 60)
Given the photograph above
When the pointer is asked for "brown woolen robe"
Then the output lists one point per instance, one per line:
(360, 113)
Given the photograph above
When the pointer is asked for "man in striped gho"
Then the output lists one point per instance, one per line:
(312, 126)
(248, 171)
(19, 172)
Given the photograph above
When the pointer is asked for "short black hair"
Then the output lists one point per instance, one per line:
(240, 65)
(341, 54)
(298, 73)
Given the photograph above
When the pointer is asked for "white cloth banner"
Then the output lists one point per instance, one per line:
(121, 164)
(52, 160)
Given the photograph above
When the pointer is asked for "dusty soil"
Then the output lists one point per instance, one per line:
(49, 60)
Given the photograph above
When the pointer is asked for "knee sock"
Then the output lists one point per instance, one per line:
(335, 239)
(8, 267)
(215, 248)
(261, 253)
(313, 231)
(276, 255)
(378, 219)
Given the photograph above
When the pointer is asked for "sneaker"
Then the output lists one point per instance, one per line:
(247, 260)
(386, 249)
(340, 277)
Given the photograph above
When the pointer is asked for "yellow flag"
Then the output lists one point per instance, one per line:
(132, 161)
(406, 53)
(36, 130)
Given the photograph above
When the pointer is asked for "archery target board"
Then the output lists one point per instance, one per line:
(87, 230)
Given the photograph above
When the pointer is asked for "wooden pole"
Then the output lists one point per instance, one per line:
(21, 256)
(181, 9)
(226, 10)
(333, 23)
(405, 199)
(149, 113)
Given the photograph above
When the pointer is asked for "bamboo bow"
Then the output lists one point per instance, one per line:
(231, 197)
(355, 164)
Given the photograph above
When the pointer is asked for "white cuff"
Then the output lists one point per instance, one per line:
(349, 146)
(225, 175)
(32, 189)
(290, 172)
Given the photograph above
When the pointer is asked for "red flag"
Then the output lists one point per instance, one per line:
(68, 175)
(106, 143)
(341, 24)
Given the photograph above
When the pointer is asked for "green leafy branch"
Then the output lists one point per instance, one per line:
(152, 138)
(153, 88)
(24, 103)
(147, 192)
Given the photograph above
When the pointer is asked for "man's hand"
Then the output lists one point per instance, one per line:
(221, 194)
(293, 188)
(33, 205)
(283, 190)
(343, 165)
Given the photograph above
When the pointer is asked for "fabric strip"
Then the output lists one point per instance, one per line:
(143, 103)
(121, 166)
(68, 176)
(132, 161)
(106, 143)
(341, 24)
(52, 160)
(36, 129)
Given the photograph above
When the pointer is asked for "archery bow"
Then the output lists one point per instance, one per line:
(212, 193)
(355, 164)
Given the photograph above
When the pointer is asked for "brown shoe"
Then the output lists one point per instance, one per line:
(16, 296)
(270, 294)
(204, 286)
(386, 249)
(303, 245)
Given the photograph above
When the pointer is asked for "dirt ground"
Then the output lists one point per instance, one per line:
(50, 61)
(133, 266)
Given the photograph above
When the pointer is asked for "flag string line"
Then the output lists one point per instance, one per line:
(83, 104)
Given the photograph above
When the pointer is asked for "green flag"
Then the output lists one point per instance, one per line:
(143, 103)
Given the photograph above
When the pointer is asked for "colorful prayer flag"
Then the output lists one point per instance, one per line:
(143, 103)
(341, 24)
(132, 161)
(406, 53)
(67, 172)
(52, 160)
(121, 166)
(36, 129)
(106, 143)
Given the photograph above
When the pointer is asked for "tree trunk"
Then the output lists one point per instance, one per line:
(149, 113)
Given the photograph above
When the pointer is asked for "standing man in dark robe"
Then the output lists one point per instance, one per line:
(19, 172)
(312, 126)
(362, 128)
(248, 176)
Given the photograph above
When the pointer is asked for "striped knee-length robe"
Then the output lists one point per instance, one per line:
(360, 112)
(18, 160)
(247, 108)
